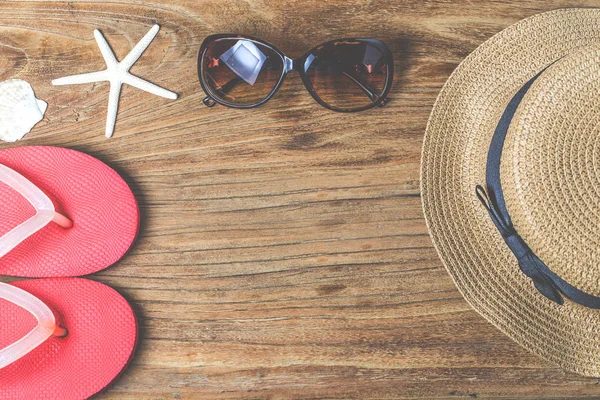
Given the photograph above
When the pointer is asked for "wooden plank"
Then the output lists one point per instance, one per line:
(283, 251)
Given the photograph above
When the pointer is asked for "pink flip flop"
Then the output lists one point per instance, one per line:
(62, 338)
(64, 213)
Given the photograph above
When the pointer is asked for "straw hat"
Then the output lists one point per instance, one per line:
(539, 244)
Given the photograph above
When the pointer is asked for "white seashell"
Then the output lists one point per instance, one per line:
(19, 109)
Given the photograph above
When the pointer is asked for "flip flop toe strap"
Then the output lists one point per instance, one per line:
(44, 210)
(45, 328)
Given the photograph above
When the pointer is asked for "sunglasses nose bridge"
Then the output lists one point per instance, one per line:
(288, 64)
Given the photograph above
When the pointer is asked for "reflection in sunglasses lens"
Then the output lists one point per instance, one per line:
(240, 71)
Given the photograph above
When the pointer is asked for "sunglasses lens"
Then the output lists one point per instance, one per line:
(349, 74)
(240, 72)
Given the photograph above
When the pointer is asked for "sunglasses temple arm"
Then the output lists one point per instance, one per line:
(226, 88)
(366, 88)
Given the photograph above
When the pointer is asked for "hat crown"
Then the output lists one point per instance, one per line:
(550, 168)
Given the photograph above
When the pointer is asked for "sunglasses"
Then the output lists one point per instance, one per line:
(344, 75)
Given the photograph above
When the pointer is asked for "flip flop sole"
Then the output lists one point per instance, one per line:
(101, 205)
(100, 343)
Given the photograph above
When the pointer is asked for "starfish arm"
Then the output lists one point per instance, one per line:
(139, 48)
(98, 76)
(113, 107)
(107, 53)
(148, 86)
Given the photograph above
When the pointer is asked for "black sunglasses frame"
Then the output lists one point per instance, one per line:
(298, 66)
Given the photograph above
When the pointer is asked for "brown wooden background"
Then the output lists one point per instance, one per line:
(283, 251)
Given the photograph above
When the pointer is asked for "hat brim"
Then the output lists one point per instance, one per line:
(455, 147)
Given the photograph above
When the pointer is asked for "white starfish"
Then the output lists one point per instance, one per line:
(117, 73)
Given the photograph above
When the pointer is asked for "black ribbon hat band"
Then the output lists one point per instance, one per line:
(546, 282)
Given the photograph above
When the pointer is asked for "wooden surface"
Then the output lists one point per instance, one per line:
(283, 251)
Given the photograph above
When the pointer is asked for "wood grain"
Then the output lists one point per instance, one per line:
(283, 251)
